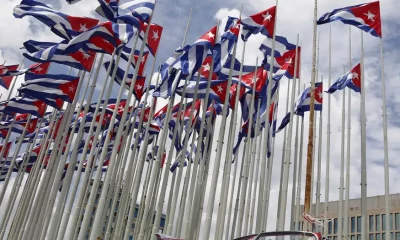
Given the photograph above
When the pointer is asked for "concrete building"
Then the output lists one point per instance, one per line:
(376, 218)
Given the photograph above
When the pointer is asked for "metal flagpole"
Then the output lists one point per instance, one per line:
(262, 200)
(217, 162)
(364, 212)
(246, 160)
(310, 146)
(340, 220)
(347, 188)
(299, 176)
(319, 169)
(285, 183)
(328, 140)
(247, 213)
(385, 144)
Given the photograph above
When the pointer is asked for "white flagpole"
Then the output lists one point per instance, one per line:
(262, 218)
(285, 183)
(217, 162)
(247, 213)
(328, 140)
(347, 194)
(385, 145)
(319, 168)
(299, 176)
(340, 220)
(363, 209)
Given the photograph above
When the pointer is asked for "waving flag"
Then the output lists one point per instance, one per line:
(143, 9)
(6, 75)
(287, 66)
(61, 24)
(262, 22)
(8, 146)
(303, 104)
(351, 79)
(365, 16)
(246, 69)
(223, 49)
(154, 37)
(24, 105)
(45, 52)
(108, 9)
(20, 125)
(50, 86)
(39, 68)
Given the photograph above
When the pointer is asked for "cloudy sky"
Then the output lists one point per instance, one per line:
(294, 17)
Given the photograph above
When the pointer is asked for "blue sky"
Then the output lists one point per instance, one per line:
(293, 17)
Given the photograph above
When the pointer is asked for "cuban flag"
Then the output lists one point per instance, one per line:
(351, 79)
(24, 105)
(43, 52)
(126, 51)
(19, 126)
(288, 66)
(223, 48)
(365, 16)
(154, 37)
(142, 9)
(50, 86)
(39, 68)
(61, 24)
(108, 9)
(262, 22)
(303, 104)
(224, 73)
(107, 36)
(8, 146)
(6, 75)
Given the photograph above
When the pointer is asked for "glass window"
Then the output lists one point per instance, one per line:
(397, 234)
(377, 223)
(397, 221)
(353, 224)
(353, 237)
(359, 224)
(359, 237)
(383, 236)
(335, 225)
(391, 221)
(391, 236)
(330, 227)
(371, 223)
(378, 236)
(383, 223)
(371, 236)
(334, 238)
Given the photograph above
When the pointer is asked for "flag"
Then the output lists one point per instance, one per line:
(50, 86)
(108, 9)
(55, 52)
(7, 150)
(223, 48)
(303, 104)
(6, 75)
(365, 16)
(154, 37)
(39, 68)
(262, 22)
(143, 9)
(246, 69)
(61, 24)
(351, 79)
(24, 105)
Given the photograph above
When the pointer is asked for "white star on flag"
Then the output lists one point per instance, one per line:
(289, 61)
(220, 89)
(3, 70)
(206, 67)
(155, 35)
(210, 35)
(320, 94)
(138, 86)
(147, 116)
(31, 125)
(39, 69)
(267, 16)
(85, 55)
(71, 89)
(83, 27)
(370, 16)
(355, 75)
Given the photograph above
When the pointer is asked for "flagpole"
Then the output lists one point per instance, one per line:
(217, 162)
(285, 183)
(319, 168)
(347, 197)
(310, 146)
(299, 176)
(262, 218)
(364, 150)
(385, 143)
(328, 140)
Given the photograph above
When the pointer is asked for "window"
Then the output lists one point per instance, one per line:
(334, 238)
(397, 221)
(371, 236)
(377, 223)
(335, 225)
(383, 223)
(353, 224)
(330, 227)
(359, 237)
(383, 236)
(378, 236)
(397, 234)
(353, 237)
(391, 236)
(359, 224)
(391, 221)
(371, 223)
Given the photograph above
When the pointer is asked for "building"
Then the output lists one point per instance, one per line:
(376, 218)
